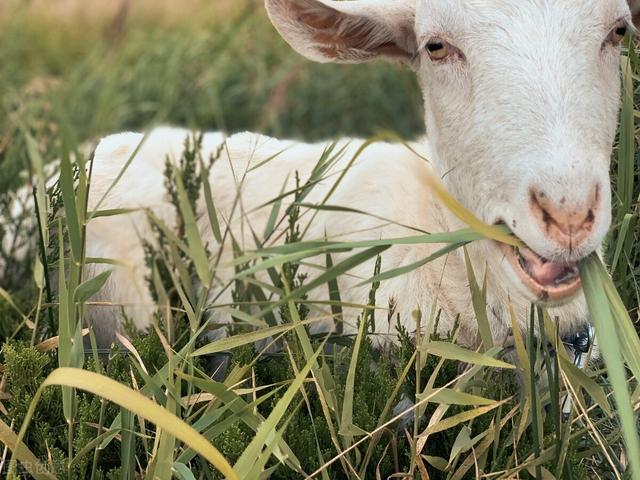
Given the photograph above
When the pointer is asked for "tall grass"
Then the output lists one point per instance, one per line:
(290, 404)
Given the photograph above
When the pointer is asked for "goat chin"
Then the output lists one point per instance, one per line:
(387, 181)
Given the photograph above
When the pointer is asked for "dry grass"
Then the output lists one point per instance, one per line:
(92, 11)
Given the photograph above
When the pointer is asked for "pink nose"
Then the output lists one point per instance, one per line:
(567, 226)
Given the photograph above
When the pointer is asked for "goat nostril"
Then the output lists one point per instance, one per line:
(565, 221)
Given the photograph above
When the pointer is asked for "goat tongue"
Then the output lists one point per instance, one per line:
(545, 272)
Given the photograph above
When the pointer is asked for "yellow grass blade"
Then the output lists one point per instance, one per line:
(451, 351)
(53, 342)
(454, 206)
(4, 295)
(456, 420)
(135, 402)
(23, 454)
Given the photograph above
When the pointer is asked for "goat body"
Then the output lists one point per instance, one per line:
(385, 190)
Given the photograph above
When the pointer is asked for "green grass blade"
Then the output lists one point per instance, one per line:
(626, 150)
(398, 272)
(70, 208)
(479, 300)
(182, 471)
(580, 378)
(346, 420)
(209, 202)
(241, 410)
(334, 272)
(451, 351)
(90, 287)
(334, 297)
(448, 396)
(244, 465)
(121, 173)
(242, 339)
(127, 446)
(313, 248)
(622, 237)
(611, 348)
(196, 247)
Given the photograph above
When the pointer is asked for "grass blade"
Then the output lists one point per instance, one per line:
(611, 349)
(456, 420)
(346, 421)
(134, 402)
(22, 453)
(197, 251)
(479, 300)
(244, 465)
(451, 351)
(236, 341)
(89, 288)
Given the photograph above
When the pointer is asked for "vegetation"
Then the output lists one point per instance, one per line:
(271, 400)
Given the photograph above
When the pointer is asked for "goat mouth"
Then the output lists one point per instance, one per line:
(549, 281)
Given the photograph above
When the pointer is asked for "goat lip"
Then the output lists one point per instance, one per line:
(549, 281)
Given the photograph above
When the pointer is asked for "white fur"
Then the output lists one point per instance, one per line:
(388, 182)
(531, 102)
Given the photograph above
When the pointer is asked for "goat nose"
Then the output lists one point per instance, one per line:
(566, 225)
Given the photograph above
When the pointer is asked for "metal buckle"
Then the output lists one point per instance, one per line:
(581, 345)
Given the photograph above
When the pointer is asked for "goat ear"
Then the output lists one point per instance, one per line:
(346, 32)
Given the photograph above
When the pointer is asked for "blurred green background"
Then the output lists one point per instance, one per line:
(97, 67)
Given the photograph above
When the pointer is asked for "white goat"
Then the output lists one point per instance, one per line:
(521, 101)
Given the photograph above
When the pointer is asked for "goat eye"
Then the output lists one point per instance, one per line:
(617, 34)
(438, 49)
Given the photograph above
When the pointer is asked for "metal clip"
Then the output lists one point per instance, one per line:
(581, 345)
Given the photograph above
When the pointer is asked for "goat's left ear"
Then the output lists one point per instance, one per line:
(346, 31)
